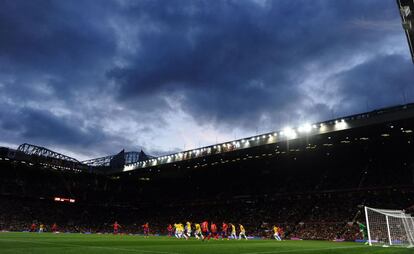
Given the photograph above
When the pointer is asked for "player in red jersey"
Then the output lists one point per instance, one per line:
(146, 229)
(204, 230)
(213, 231)
(116, 227)
(33, 227)
(170, 230)
(54, 228)
(224, 229)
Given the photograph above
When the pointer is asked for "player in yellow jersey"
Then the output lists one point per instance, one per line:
(180, 230)
(276, 233)
(242, 232)
(177, 230)
(197, 232)
(187, 233)
(233, 231)
(41, 228)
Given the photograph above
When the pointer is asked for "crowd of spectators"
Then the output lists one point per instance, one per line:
(319, 216)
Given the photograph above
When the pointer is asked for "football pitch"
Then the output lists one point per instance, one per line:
(80, 243)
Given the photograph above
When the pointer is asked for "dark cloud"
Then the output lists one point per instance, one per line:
(98, 77)
(51, 35)
(42, 127)
(58, 43)
(235, 61)
(383, 81)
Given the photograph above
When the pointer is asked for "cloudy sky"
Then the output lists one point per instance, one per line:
(89, 78)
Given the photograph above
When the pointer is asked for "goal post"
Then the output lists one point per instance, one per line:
(389, 227)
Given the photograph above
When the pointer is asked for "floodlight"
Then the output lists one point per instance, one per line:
(340, 124)
(305, 128)
(289, 132)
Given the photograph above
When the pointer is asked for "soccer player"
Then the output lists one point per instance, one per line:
(146, 229)
(213, 231)
(242, 232)
(116, 227)
(363, 230)
(54, 228)
(170, 230)
(41, 228)
(204, 230)
(179, 230)
(276, 233)
(280, 233)
(33, 227)
(224, 229)
(233, 231)
(197, 232)
(188, 230)
(182, 232)
(176, 227)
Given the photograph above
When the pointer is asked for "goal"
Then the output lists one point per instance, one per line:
(389, 227)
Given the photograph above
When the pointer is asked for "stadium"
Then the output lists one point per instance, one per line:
(312, 181)
(341, 185)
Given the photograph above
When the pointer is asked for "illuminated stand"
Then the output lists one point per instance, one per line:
(380, 116)
(286, 134)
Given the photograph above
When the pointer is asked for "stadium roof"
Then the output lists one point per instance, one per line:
(129, 158)
(407, 17)
(58, 160)
(30, 149)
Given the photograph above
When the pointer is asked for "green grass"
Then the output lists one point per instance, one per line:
(46, 243)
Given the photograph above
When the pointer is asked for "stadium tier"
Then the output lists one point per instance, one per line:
(312, 181)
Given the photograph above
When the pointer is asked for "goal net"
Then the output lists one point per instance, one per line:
(389, 227)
